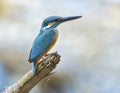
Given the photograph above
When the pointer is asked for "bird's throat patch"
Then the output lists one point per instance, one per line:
(49, 25)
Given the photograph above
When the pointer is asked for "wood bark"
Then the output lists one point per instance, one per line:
(29, 80)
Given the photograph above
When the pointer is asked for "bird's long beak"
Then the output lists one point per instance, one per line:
(70, 18)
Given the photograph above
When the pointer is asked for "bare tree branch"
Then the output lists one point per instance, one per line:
(27, 82)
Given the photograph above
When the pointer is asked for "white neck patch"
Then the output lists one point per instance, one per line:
(49, 25)
(46, 27)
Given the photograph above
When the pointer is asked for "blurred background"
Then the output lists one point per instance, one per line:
(90, 46)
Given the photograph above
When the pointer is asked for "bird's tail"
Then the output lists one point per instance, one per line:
(33, 67)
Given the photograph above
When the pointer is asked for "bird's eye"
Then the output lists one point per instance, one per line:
(60, 19)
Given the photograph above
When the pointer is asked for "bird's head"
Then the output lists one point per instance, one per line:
(54, 21)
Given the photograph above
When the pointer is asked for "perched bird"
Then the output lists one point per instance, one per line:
(46, 38)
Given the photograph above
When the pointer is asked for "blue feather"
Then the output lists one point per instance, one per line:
(41, 43)
(33, 67)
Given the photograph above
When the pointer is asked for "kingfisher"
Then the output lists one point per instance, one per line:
(46, 38)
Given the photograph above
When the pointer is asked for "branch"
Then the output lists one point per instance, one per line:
(28, 81)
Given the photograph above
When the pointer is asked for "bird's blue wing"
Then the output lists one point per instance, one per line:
(40, 44)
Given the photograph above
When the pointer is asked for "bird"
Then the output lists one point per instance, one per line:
(46, 38)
